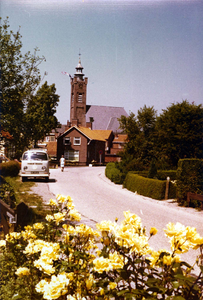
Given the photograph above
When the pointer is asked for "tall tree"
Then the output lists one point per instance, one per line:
(140, 131)
(20, 78)
(42, 107)
(180, 132)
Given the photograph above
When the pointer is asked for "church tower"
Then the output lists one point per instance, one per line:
(78, 97)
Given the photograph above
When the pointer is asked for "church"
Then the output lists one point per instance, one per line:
(92, 135)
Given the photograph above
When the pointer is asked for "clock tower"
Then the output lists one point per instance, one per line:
(78, 97)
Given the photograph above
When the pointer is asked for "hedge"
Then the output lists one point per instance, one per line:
(189, 179)
(10, 168)
(152, 188)
(114, 174)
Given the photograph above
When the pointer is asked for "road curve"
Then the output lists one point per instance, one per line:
(97, 199)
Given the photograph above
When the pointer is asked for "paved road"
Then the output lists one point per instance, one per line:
(97, 199)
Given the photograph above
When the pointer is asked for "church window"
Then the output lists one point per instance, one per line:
(72, 97)
(80, 97)
(77, 141)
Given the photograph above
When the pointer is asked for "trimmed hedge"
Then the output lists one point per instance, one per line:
(161, 174)
(114, 174)
(152, 188)
(189, 179)
(10, 168)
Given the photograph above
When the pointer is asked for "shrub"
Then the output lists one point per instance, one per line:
(7, 193)
(10, 168)
(163, 174)
(152, 170)
(189, 179)
(53, 261)
(114, 174)
(152, 188)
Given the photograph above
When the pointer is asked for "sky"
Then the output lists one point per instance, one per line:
(134, 53)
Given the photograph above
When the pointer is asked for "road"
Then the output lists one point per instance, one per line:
(97, 199)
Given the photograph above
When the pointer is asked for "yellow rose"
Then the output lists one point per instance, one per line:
(153, 231)
(56, 287)
(23, 271)
(59, 217)
(102, 264)
(2, 243)
(53, 202)
(49, 218)
(112, 285)
(38, 226)
(40, 286)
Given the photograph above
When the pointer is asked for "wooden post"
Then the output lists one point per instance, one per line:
(167, 188)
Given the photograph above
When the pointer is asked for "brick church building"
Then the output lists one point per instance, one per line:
(93, 133)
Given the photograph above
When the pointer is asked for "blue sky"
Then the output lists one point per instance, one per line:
(134, 53)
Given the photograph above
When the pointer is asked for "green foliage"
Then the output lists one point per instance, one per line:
(140, 131)
(57, 260)
(180, 132)
(189, 179)
(114, 174)
(7, 193)
(177, 133)
(152, 169)
(20, 79)
(152, 188)
(10, 168)
(163, 174)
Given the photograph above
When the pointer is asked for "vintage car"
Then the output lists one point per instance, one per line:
(35, 163)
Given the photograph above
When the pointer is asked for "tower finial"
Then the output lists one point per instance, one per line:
(79, 56)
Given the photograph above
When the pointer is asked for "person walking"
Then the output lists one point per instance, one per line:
(62, 163)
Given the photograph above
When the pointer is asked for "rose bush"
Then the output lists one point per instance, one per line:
(63, 259)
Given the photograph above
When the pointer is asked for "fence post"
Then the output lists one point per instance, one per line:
(167, 188)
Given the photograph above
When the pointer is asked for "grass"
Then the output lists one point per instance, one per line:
(24, 194)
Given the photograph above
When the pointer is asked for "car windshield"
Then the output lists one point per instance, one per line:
(35, 156)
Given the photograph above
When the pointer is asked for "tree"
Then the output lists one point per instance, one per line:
(42, 107)
(141, 132)
(180, 132)
(20, 79)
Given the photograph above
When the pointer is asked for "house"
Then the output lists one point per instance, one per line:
(82, 145)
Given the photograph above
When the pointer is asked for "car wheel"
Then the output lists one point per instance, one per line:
(24, 179)
(47, 179)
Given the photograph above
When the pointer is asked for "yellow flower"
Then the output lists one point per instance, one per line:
(167, 260)
(101, 291)
(112, 285)
(131, 218)
(104, 226)
(55, 288)
(23, 271)
(74, 214)
(49, 218)
(38, 226)
(2, 243)
(28, 235)
(102, 264)
(89, 282)
(40, 286)
(174, 229)
(53, 202)
(28, 227)
(153, 231)
(13, 236)
(59, 217)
